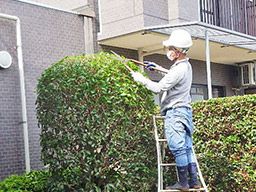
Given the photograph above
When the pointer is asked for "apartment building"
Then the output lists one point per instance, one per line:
(223, 55)
(136, 29)
(224, 51)
(35, 36)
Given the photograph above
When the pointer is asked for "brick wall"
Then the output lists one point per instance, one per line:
(11, 142)
(63, 4)
(47, 36)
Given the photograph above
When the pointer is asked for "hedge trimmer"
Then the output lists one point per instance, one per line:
(124, 61)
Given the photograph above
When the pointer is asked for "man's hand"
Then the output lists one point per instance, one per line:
(150, 65)
(138, 77)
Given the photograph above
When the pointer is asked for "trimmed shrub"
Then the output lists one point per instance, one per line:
(226, 137)
(35, 181)
(96, 126)
(97, 131)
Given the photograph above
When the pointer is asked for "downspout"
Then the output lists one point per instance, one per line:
(208, 64)
(141, 57)
(22, 88)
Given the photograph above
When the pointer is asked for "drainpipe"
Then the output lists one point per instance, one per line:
(141, 57)
(208, 65)
(22, 88)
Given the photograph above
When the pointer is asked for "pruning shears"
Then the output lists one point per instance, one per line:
(124, 61)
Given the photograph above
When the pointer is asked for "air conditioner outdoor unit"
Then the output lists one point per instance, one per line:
(248, 73)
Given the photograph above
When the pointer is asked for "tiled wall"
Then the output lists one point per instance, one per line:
(11, 141)
(47, 36)
(155, 12)
(63, 4)
(121, 16)
(183, 10)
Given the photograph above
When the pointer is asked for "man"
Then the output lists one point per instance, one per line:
(176, 107)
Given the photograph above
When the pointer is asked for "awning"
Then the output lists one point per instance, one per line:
(226, 46)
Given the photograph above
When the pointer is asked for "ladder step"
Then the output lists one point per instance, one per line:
(162, 140)
(174, 190)
(167, 164)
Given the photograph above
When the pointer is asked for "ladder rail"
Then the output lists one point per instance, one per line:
(160, 164)
(159, 168)
(199, 171)
(174, 190)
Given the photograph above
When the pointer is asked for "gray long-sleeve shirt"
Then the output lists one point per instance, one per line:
(175, 86)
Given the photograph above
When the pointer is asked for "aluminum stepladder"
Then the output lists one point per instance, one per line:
(161, 143)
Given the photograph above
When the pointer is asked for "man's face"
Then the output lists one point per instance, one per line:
(172, 53)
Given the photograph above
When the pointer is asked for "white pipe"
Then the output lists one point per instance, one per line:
(208, 65)
(22, 88)
(141, 57)
(198, 10)
(100, 17)
(231, 18)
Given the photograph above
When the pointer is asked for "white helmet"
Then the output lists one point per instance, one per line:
(179, 39)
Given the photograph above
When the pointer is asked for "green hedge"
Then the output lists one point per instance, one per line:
(96, 126)
(226, 137)
(97, 133)
(35, 181)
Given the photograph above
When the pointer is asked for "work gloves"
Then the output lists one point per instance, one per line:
(150, 65)
(138, 77)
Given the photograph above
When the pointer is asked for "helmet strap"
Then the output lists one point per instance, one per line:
(183, 50)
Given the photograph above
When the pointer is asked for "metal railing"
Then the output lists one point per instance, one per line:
(237, 15)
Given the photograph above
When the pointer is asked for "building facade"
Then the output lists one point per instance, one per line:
(140, 26)
(223, 55)
(46, 37)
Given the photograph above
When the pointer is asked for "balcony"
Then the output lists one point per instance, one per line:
(237, 15)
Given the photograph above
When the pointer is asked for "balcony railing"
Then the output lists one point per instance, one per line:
(237, 15)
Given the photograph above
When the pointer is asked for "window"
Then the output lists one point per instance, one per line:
(237, 15)
(248, 74)
(245, 73)
(209, 11)
(218, 91)
(200, 92)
